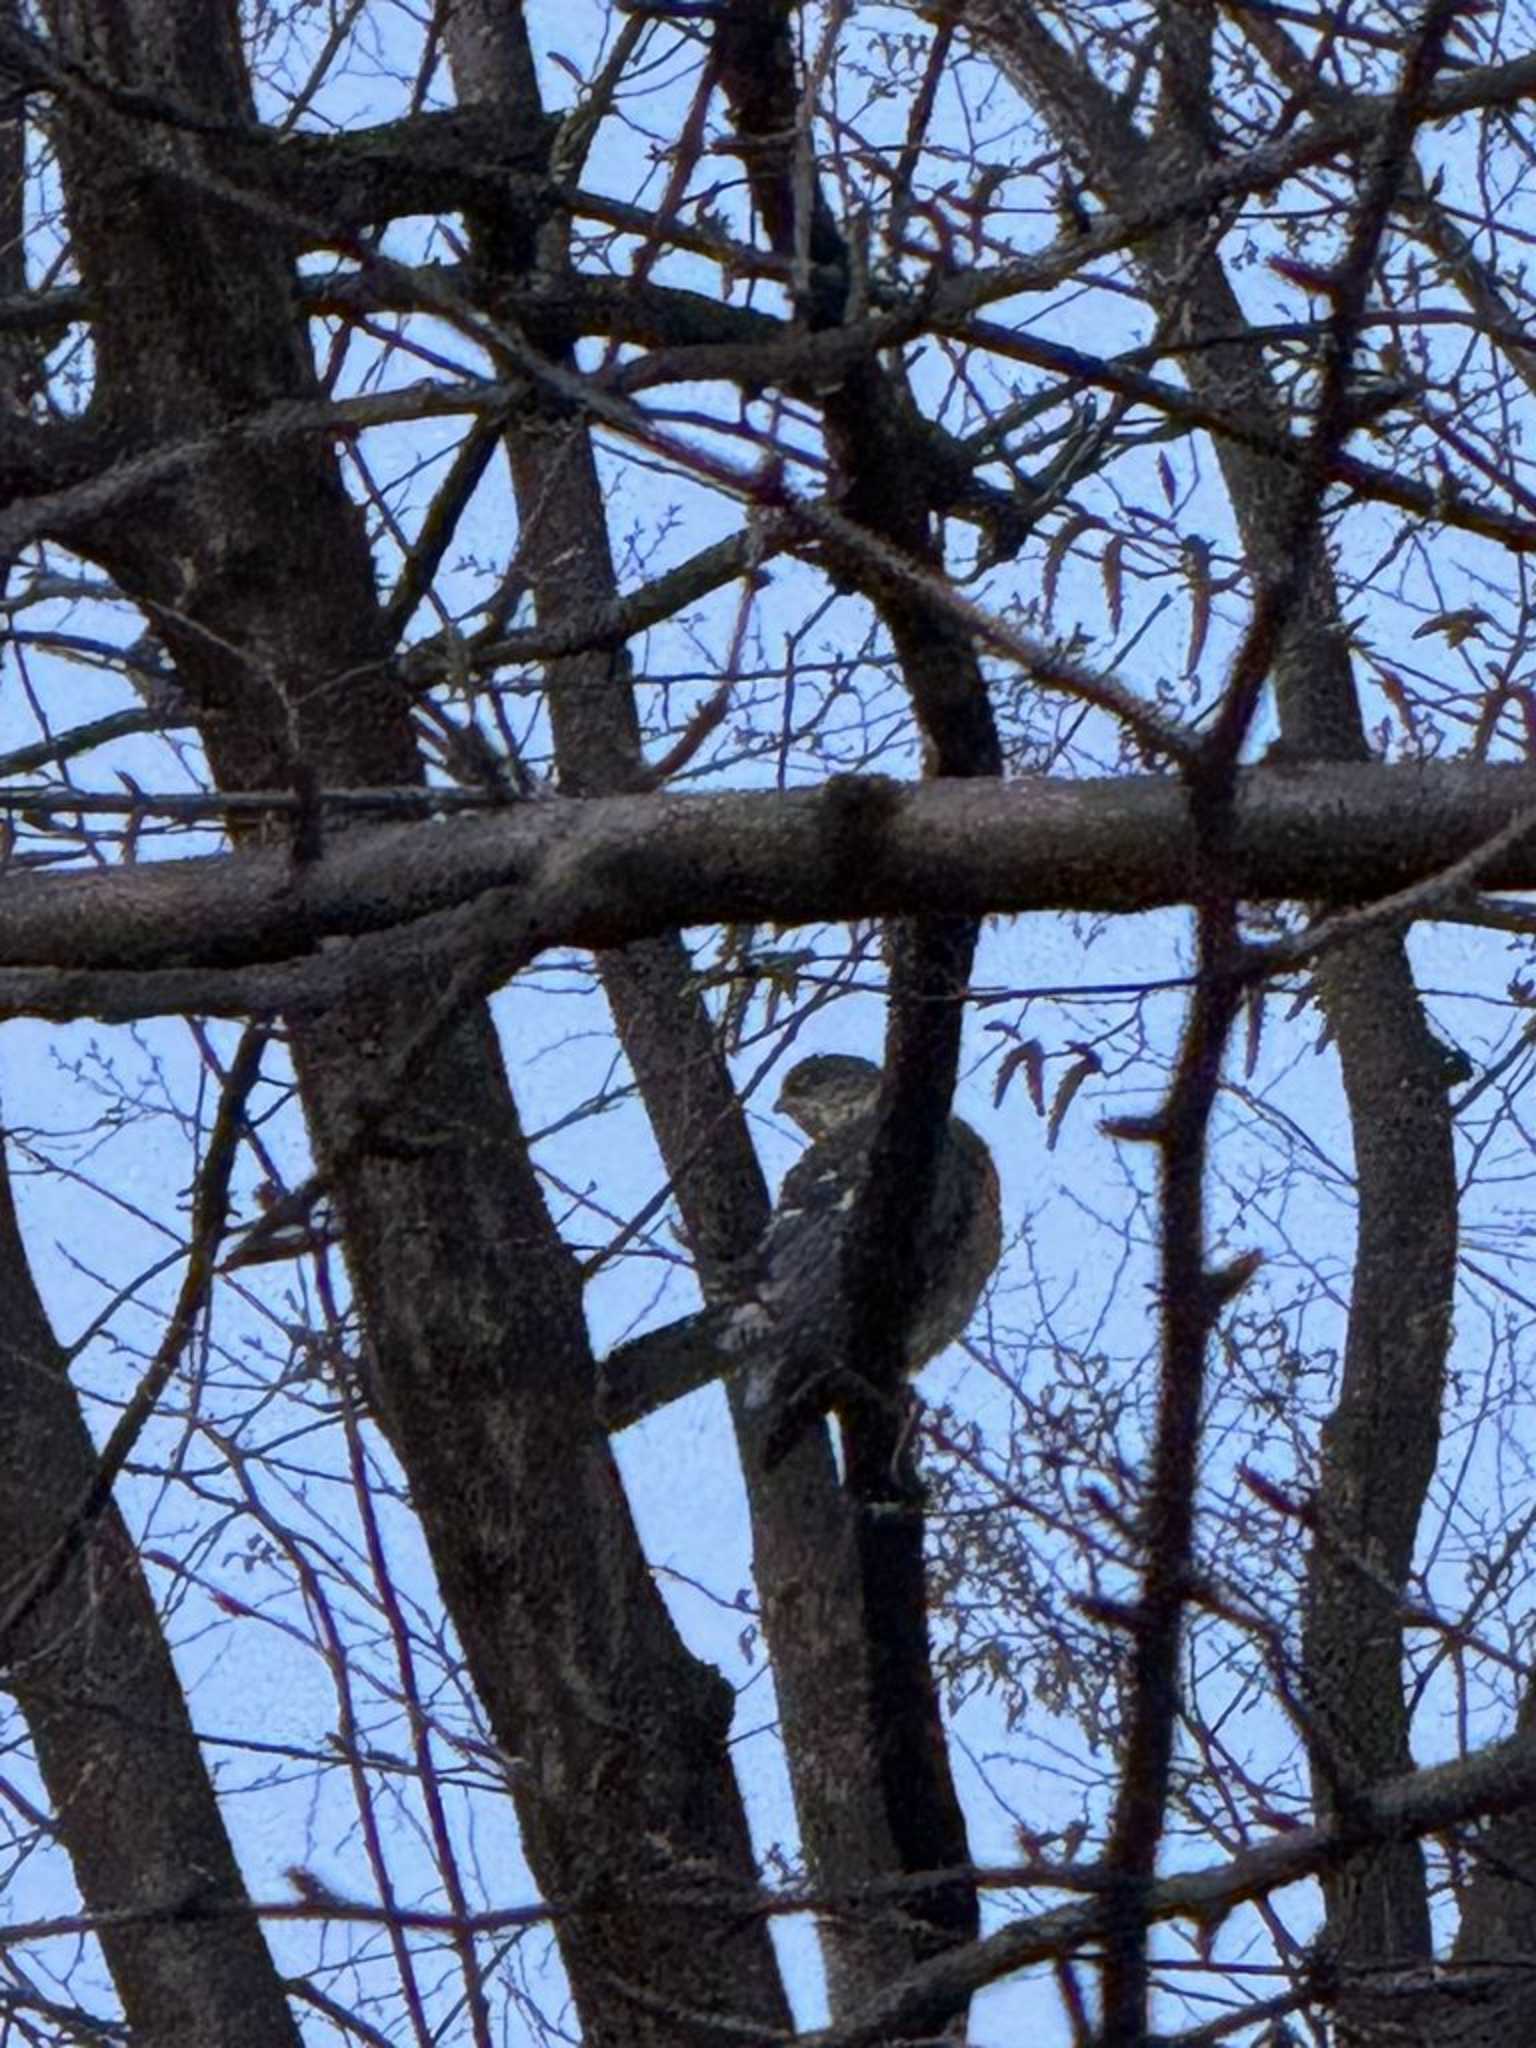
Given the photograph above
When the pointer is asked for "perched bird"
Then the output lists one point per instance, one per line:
(786, 1328)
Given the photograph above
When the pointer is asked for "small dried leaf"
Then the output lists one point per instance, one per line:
(1487, 722)
(1197, 573)
(1088, 1063)
(1056, 554)
(1253, 1029)
(1457, 626)
(1112, 567)
(1228, 1281)
(1031, 1057)
(1395, 691)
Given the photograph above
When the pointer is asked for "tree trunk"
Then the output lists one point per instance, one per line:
(616, 1738)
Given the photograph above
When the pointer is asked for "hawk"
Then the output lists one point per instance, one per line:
(783, 1331)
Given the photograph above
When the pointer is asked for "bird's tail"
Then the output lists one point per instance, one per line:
(637, 1378)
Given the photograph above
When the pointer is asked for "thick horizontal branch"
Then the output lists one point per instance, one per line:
(1495, 1780)
(602, 872)
(1492, 1781)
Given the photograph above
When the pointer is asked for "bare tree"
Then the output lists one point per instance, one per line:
(619, 546)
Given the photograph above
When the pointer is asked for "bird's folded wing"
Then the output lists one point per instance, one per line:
(788, 1328)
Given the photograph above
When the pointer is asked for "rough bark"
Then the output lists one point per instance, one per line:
(886, 484)
(187, 221)
(617, 1737)
(1379, 1447)
(835, 1716)
(85, 1656)
(1378, 844)
(92, 1673)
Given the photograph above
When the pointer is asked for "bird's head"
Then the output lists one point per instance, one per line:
(829, 1090)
